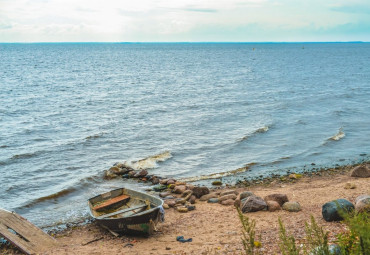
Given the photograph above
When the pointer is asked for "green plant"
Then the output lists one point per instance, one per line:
(356, 241)
(317, 239)
(250, 244)
(287, 243)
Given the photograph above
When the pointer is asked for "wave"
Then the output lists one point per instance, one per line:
(260, 130)
(149, 162)
(219, 175)
(26, 155)
(338, 135)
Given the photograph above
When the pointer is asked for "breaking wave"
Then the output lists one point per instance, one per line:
(260, 130)
(219, 175)
(338, 136)
(149, 162)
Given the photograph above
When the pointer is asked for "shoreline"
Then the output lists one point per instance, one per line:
(215, 228)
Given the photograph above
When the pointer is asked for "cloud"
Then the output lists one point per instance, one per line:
(200, 10)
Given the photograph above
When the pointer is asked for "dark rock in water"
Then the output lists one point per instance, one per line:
(200, 191)
(217, 183)
(361, 171)
(331, 210)
(159, 188)
(363, 204)
(272, 206)
(253, 204)
(292, 206)
(280, 198)
(141, 174)
(213, 200)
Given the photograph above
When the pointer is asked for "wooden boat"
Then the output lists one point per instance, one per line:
(127, 211)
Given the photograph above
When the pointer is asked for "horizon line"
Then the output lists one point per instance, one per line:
(189, 42)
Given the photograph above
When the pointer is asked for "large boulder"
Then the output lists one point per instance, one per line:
(363, 203)
(292, 206)
(253, 204)
(200, 191)
(331, 211)
(280, 198)
(361, 171)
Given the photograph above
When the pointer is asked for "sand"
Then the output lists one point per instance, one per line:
(216, 229)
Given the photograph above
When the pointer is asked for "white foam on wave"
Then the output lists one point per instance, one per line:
(219, 175)
(149, 162)
(260, 130)
(338, 136)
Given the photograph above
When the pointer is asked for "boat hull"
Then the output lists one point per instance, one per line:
(142, 223)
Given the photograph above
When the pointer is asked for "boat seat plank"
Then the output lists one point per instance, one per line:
(122, 211)
(27, 237)
(111, 201)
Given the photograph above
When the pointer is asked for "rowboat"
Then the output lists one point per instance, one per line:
(126, 211)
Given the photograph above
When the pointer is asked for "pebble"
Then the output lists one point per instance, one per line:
(292, 207)
(213, 200)
(182, 209)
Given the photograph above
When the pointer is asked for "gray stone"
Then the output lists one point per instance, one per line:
(226, 197)
(208, 196)
(363, 204)
(245, 194)
(200, 191)
(360, 197)
(253, 204)
(213, 200)
(292, 206)
(331, 210)
(280, 198)
(273, 206)
(361, 171)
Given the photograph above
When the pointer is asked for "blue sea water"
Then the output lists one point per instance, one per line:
(189, 110)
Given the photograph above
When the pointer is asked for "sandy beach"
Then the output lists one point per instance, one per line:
(215, 228)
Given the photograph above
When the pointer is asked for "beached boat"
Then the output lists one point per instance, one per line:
(127, 211)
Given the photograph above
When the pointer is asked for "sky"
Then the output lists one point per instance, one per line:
(184, 20)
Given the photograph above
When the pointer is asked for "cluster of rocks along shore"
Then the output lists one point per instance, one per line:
(182, 196)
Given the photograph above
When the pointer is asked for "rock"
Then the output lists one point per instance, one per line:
(171, 181)
(171, 186)
(213, 200)
(180, 201)
(363, 204)
(141, 174)
(179, 189)
(186, 193)
(192, 199)
(228, 202)
(109, 175)
(159, 188)
(350, 185)
(164, 194)
(182, 209)
(208, 196)
(217, 183)
(245, 194)
(163, 181)
(166, 206)
(200, 191)
(361, 171)
(226, 197)
(228, 192)
(295, 176)
(273, 206)
(190, 207)
(115, 170)
(360, 197)
(280, 198)
(132, 173)
(292, 206)
(253, 204)
(190, 186)
(169, 197)
(155, 180)
(331, 210)
(171, 203)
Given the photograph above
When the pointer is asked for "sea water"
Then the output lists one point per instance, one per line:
(185, 110)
